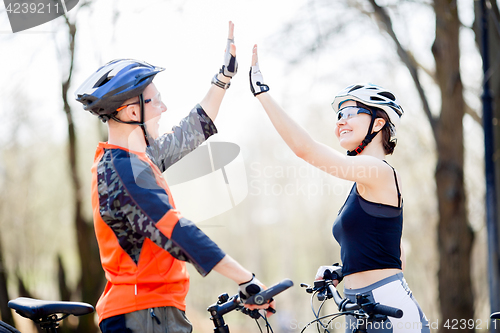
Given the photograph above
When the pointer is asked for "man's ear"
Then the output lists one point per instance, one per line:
(378, 124)
(131, 112)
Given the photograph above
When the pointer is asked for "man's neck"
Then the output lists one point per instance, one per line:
(132, 139)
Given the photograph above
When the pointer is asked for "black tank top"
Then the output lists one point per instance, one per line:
(369, 233)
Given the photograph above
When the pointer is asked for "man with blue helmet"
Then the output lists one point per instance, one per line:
(143, 240)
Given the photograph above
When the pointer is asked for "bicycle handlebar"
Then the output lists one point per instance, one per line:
(266, 295)
(346, 305)
(227, 304)
(387, 311)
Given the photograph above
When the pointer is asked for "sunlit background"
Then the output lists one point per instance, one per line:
(308, 51)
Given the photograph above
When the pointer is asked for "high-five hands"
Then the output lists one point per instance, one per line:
(257, 85)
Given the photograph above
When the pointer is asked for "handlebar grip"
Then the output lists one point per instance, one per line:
(265, 295)
(336, 296)
(387, 311)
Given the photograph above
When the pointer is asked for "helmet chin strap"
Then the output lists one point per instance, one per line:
(368, 138)
(141, 123)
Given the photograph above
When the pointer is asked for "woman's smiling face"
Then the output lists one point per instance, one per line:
(352, 130)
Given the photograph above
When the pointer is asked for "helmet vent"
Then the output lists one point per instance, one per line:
(388, 95)
(355, 88)
(103, 80)
(375, 98)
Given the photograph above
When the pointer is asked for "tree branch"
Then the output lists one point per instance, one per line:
(386, 24)
(471, 112)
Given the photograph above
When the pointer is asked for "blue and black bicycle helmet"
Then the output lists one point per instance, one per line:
(112, 84)
(371, 96)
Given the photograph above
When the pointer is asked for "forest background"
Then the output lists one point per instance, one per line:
(424, 51)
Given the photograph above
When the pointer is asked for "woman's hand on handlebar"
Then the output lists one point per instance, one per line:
(333, 273)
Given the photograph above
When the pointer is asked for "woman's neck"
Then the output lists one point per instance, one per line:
(375, 149)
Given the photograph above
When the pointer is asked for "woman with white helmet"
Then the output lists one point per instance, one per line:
(370, 223)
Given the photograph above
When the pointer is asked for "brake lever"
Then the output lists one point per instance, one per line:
(252, 313)
(309, 289)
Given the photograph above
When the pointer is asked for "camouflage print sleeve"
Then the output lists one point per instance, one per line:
(132, 204)
(192, 131)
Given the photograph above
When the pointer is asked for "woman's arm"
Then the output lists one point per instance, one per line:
(294, 135)
(367, 170)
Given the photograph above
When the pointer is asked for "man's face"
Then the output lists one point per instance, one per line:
(153, 108)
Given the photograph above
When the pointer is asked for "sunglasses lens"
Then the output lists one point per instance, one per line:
(351, 111)
(155, 101)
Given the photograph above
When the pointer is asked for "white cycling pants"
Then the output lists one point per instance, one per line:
(391, 291)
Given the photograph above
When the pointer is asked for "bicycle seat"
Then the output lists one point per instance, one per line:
(495, 315)
(36, 309)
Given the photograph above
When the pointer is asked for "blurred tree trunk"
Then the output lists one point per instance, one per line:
(92, 275)
(455, 235)
(493, 75)
(5, 312)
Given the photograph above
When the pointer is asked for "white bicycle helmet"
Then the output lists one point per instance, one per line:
(371, 95)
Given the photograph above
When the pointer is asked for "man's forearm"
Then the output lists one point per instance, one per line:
(213, 99)
(231, 269)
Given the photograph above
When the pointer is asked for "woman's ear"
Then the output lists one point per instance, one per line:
(378, 124)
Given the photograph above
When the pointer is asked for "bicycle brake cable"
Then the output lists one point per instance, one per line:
(268, 326)
(258, 325)
(318, 322)
(333, 315)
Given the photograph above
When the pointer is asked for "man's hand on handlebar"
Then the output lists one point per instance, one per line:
(253, 287)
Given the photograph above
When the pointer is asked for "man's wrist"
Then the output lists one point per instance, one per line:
(223, 78)
(245, 278)
(219, 83)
